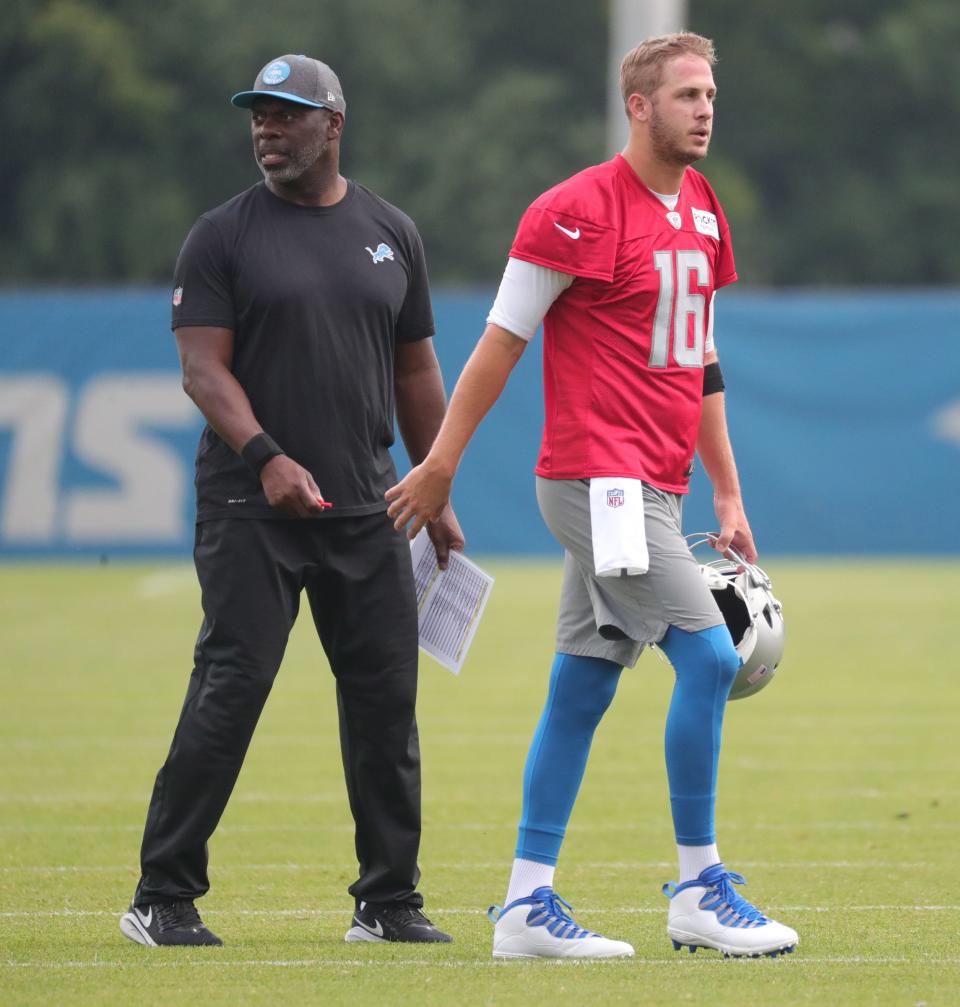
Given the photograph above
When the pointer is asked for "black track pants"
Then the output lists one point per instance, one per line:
(359, 582)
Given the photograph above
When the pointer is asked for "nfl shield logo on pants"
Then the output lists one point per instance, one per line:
(614, 498)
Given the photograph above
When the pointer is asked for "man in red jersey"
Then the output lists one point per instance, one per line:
(621, 263)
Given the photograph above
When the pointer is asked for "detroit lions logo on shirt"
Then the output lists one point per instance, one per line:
(381, 252)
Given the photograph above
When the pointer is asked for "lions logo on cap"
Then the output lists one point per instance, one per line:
(277, 72)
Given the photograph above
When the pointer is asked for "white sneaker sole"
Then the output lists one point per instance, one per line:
(682, 939)
(564, 958)
(130, 927)
(359, 934)
(582, 952)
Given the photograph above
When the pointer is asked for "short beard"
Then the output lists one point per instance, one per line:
(664, 146)
(296, 166)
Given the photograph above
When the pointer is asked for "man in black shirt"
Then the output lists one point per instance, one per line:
(302, 317)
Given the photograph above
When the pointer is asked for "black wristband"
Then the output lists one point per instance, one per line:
(258, 451)
(712, 379)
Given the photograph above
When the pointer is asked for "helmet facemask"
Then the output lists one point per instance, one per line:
(753, 616)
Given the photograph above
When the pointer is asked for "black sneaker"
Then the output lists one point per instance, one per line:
(393, 921)
(167, 923)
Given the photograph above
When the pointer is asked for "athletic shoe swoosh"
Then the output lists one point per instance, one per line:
(377, 931)
(145, 920)
(575, 234)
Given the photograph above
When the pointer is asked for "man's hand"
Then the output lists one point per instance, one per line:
(290, 488)
(734, 528)
(419, 497)
(445, 534)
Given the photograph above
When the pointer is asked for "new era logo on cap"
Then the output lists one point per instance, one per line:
(299, 79)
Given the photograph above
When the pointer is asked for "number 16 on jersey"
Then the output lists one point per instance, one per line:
(676, 300)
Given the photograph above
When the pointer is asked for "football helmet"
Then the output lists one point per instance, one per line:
(753, 615)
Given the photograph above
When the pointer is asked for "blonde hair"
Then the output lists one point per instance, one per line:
(641, 71)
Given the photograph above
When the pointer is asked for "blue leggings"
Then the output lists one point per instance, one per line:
(580, 691)
(706, 663)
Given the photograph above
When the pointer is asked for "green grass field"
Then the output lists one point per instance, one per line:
(839, 801)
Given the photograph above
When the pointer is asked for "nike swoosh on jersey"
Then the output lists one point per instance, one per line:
(575, 234)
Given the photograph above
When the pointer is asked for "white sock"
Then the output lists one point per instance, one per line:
(526, 877)
(695, 859)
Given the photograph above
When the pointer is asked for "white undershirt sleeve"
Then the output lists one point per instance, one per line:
(525, 295)
(527, 291)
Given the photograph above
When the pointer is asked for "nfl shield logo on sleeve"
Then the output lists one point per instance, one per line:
(614, 498)
(177, 297)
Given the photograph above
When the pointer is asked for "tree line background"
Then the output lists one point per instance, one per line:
(835, 150)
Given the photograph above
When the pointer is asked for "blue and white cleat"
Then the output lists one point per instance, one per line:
(539, 926)
(708, 913)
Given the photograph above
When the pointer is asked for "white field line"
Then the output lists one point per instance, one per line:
(312, 913)
(594, 865)
(248, 797)
(209, 961)
(318, 744)
(165, 582)
(321, 748)
(321, 826)
(222, 830)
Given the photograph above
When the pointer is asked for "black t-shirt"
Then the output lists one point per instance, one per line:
(317, 298)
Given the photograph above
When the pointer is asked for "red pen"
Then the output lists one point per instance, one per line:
(324, 504)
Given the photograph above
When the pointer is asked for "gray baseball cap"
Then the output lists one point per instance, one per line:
(299, 79)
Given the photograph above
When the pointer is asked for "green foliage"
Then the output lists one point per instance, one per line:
(838, 801)
(834, 152)
(122, 133)
(840, 117)
(82, 114)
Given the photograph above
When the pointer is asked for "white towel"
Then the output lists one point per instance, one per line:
(616, 521)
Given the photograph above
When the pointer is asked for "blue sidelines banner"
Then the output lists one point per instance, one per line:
(844, 411)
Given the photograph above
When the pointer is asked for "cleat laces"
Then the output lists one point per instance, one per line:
(732, 909)
(548, 910)
(404, 913)
(180, 915)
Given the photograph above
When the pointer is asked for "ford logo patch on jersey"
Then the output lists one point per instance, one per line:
(382, 251)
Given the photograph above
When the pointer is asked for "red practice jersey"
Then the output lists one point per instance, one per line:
(624, 343)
